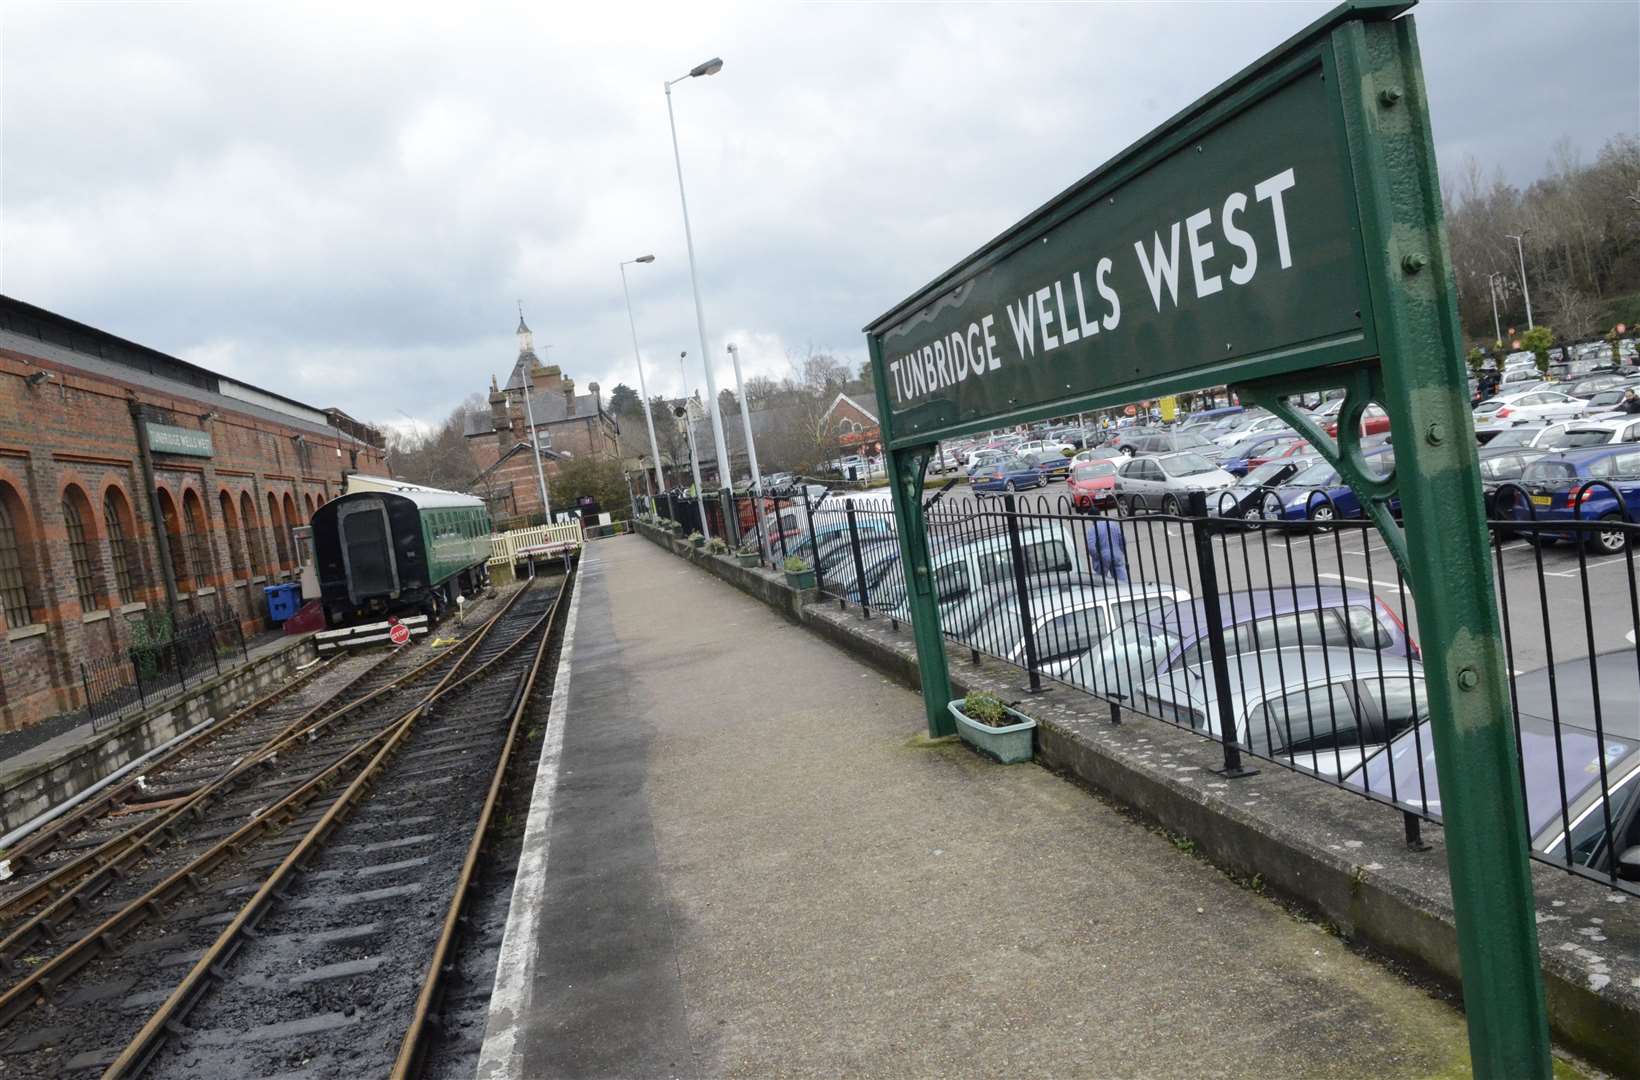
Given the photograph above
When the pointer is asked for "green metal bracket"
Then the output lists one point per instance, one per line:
(1363, 384)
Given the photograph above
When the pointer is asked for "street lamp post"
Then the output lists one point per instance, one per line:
(710, 67)
(1520, 253)
(746, 422)
(649, 420)
(1492, 287)
(686, 417)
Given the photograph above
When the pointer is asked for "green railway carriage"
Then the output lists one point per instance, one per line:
(406, 549)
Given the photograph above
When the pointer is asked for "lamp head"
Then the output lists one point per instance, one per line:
(710, 67)
(644, 259)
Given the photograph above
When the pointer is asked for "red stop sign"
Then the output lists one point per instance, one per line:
(399, 634)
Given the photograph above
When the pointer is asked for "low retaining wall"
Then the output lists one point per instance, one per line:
(28, 792)
(1336, 855)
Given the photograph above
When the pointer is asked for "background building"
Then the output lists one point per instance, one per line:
(132, 482)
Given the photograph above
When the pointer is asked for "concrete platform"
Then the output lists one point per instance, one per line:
(745, 860)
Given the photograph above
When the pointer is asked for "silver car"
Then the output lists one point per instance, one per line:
(1162, 482)
(1068, 619)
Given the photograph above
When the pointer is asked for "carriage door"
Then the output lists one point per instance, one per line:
(367, 550)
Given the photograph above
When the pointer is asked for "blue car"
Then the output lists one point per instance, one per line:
(1009, 474)
(1298, 499)
(1255, 450)
(1552, 484)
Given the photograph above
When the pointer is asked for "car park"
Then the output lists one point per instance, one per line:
(959, 568)
(1246, 498)
(1068, 618)
(1563, 749)
(1153, 644)
(1008, 474)
(1162, 482)
(1578, 485)
(1501, 465)
(1092, 484)
(1301, 497)
(1164, 442)
(1257, 449)
(1050, 464)
(1507, 410)
(1320, 710)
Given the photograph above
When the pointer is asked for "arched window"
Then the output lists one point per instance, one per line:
(81, 529)
(172, 522)
(17, 589)
(292, 514)
(199, 540)
(230, 527)
(253, 531)
(276, 522)
(117, 521)
(308, 499)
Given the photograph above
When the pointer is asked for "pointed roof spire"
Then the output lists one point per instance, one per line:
(522, 329)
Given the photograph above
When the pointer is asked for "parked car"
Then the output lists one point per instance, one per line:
(1374, 421)
(959, 568)
(879, 557)
(1320, 710)
(1009, 474)
(1576, 758)
(1257, 620)
(1540, 406)
(1606, 432)
(1146, 483)
(1246, 498)
(1092, 485)
(1297, 500)
(1536, 436)
(1502, 465)
(1050, 464)
(1211, 416)
(1256, 450)
(1068, 619)
(1254, 424)
(1146, 441)
(1043, 446)
(1555, 487)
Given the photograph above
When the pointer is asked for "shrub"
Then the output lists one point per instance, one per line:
(797, 565)
(749, 545)
(696, 537)
(986, 708)
(1538, 341)
(717, 547)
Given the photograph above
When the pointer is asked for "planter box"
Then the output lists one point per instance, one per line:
(748, 560)
(699, 543)
(1008, 745)
(805, 580)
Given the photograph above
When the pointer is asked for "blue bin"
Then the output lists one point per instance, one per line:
(283, 600)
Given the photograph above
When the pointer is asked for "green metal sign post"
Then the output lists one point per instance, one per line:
(1283, 234)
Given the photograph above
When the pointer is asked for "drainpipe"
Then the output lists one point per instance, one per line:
(161, 539)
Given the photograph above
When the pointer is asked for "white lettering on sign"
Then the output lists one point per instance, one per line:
(1059, 313)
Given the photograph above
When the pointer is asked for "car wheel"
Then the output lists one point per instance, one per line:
(1011, 486)
(1609, 541)
(1322, 514)
(1125, 451)
(1170, 505)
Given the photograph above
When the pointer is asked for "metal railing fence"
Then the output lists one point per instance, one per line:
(196, 648)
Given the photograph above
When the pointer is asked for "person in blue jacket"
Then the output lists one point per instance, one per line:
(1107, 549)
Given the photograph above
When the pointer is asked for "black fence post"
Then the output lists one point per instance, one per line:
(1022, 593)
(179, 660)
(136, 669)
(780, 532)
(757, 524)
(216, 660)
(85, 684)
(814, 540)
(244, 650)
(1208, 575)
(859, 562)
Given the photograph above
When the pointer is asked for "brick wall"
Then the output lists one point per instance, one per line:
(72, 438)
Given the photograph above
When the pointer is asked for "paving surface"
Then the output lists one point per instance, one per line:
(758, 867)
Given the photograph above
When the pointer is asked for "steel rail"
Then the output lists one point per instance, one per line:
(104, 937)
(150, 1039)
(142, 839)
(22, 856)
(413, 1048)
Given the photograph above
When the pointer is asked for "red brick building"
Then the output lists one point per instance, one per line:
(114, 456)
(568, 425)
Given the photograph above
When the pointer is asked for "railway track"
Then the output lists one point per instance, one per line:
(334, 965)
(70, 958)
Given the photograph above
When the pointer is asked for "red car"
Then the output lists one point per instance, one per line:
(1092, 484)
(1375, 421)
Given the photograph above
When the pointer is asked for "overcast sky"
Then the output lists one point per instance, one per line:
(344, 205)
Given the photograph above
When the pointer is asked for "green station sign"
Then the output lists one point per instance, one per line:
(189, 442)
(1224, 246)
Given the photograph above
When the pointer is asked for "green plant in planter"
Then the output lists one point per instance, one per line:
(986, 708)
(797, 565)
(717, 547)
(697, 539)
(749, 546)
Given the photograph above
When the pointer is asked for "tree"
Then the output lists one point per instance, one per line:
(1477, 360)
(600, 478)
(440, 457)
(624, 401)
(1574, 311)
(727, 405)
(1538, 341)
